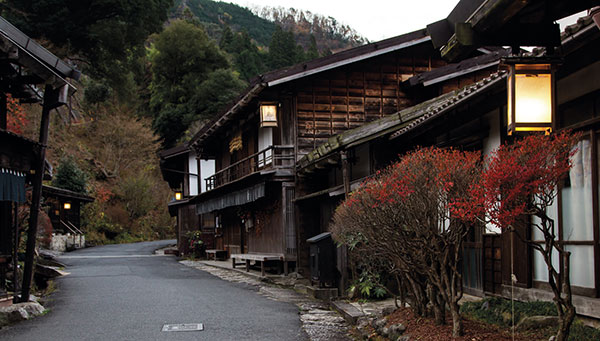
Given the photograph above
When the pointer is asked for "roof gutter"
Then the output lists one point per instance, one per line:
(459, 73)
(349, 61)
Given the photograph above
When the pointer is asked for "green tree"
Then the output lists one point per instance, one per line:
(220, 87)
(191, 80)
(226, 39)
(312, 52)
(69, 176)
(103, 35)
(283, 50)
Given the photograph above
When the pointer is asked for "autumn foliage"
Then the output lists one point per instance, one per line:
(16, 118)
(405, 216)
(524, 175)
(414, 216)
(522, 179)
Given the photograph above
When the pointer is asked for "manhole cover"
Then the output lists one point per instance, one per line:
(183, 327)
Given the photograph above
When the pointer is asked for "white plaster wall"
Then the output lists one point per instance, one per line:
(207, 169)
(193, 169)
(490, 144)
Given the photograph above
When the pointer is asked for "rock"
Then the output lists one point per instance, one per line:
(362, 326)
(403, 338)
(48, 271)
(12, 314)
(33, 308)
(363, 322)
(385, 331)
(378, 324)
(388, 310)
(552, 338)
(19, 312)
(536, 322)
(395, 331)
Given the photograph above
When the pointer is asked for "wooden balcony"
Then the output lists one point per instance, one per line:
(273, 157)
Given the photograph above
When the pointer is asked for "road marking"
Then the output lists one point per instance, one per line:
(183, 327)
(112, 256)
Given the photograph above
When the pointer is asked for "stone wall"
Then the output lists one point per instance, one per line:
(66, 242)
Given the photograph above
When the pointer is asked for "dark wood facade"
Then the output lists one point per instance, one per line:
(474, 118)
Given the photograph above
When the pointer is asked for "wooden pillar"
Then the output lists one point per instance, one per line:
(3, 111)
(15, 250)
(52, 99)
(343, 253)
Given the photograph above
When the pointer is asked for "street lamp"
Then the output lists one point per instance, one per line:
(531, 99)
(178, 195)
(268, 114)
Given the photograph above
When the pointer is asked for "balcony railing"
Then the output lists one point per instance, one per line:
(273, 157)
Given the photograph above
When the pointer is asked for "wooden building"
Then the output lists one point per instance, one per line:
(25, 67)
(64, 210)
(251, 195)
(183, 170)
(473, 117)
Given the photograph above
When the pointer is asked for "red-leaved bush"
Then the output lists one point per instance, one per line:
(404, 215)
(522, 179)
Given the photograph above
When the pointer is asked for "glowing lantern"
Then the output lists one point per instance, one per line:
(530, 95)
(268, 114)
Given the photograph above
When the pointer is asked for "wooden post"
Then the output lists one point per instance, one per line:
(51, 101)
(16, 252)
(344, 249)
(3, 111)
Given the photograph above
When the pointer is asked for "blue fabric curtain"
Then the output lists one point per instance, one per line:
(12, 185)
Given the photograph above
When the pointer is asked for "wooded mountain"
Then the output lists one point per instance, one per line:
(260, 23)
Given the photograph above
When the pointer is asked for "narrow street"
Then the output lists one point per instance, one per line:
(125, 292)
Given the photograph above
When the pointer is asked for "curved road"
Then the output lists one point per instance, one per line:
(124, 292)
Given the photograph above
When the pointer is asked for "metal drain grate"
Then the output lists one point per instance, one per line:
(183, 327)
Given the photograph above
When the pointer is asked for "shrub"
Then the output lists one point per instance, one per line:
(69, 176)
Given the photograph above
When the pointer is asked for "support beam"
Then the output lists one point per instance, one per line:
(53, 98)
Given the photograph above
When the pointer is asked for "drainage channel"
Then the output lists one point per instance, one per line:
(183, 327)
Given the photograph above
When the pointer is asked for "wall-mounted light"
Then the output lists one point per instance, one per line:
(67, 206)
(268, 114)
(530, 94)
(178, 195)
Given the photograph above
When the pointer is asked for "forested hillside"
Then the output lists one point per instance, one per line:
(153, 73)
(261, 22)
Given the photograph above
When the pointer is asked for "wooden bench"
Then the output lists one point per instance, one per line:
(259, 257)
(217, 254)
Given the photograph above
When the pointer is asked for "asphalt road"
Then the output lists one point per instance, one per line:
(124, 292)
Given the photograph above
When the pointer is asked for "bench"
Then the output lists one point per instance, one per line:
(259, 257)
(217, 254)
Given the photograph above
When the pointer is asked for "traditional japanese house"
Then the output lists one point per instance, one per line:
(183, 170)
(25, 66)
(473, 117)
(64, 210)
(284, 115)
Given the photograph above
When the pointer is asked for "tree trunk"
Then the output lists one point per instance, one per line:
(437, 305)
(457, 325)
(565, 324)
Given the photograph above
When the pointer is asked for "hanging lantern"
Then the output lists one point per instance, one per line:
(178, 195)
(530, 95)
(268, 114)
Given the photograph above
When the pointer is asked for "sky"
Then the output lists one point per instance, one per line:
(373, 19)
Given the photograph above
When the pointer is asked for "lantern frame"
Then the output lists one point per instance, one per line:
(530, 74)
(268, 114)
